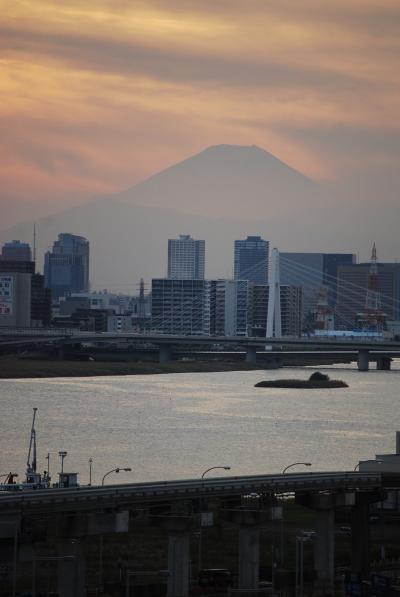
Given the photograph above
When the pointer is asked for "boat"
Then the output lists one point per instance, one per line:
(33, 479)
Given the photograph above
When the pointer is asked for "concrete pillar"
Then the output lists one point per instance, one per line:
(363, 360)
(251, 355)
(360, 541)
(249, 556)
(383, 363)
(71, 569)
(324, 552)
(178, 564)
(165, 354)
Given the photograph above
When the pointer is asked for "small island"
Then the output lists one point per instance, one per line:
(316, 380)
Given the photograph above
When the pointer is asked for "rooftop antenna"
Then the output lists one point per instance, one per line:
(32, 446)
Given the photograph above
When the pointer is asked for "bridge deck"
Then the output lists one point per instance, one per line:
(88, 498)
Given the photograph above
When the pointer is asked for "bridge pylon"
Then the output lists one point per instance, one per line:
(274, 320)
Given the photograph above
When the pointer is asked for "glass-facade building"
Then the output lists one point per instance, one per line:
(66, 267)
(251, 260)
(16, 250)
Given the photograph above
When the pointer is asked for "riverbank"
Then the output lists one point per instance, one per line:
(13, 368)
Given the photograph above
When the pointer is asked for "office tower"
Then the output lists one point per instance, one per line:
(291, 309)
(186, 258)
(312, 271)
(66, 268)
(228, 304)
(16, 251)
(251, 260)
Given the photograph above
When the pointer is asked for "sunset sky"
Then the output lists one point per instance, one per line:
(97, 95)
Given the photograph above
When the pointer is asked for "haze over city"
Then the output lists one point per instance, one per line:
(98, 96)
(199, 298)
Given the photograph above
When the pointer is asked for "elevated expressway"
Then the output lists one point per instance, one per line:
(382, 351)
(67, 515)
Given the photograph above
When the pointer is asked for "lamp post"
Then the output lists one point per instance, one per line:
(295, 464)
(90, 471)
(283, 472)
(362, 462)
(299, 575)
(62, 454)
(212, 468)
(114, 470)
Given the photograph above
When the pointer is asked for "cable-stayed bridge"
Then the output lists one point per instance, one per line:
(364, 349)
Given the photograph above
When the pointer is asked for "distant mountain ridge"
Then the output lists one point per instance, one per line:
(221, 194)
(222, 177)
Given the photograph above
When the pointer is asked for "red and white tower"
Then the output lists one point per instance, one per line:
(373, 318)
(324, 317)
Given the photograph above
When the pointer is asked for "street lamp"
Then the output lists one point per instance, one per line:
(62, 454)
(362, 462)
(116, 470)
(283, 472)
(295, 464)
(212, 468)
(225, 468)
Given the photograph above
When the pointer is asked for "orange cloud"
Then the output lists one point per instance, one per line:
(96, 95)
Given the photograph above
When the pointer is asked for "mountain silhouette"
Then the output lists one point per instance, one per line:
(221, 194)
(239, 180)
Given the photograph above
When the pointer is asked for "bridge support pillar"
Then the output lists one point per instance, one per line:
(165, 354)
(363, 360)
(360, 536)
(324, 505)
(71, 569)
(251, 355)
(383, 363)
(249, 556)
(178, 564)
(324, 552)
(249, 522)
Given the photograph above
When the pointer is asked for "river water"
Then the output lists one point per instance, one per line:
(177, 425)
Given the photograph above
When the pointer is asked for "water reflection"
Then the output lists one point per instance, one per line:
(175, 426)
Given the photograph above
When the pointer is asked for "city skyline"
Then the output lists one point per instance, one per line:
(226, 185)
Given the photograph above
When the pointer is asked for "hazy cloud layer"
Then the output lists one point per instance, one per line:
(97, 95)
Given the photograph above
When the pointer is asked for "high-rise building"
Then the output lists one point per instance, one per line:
(179, 306)
(186, 258)
(251, 260)
(312, 271)
(228, 304)
(291, 309)
(16, 251)
(66, 267)
(220, 307)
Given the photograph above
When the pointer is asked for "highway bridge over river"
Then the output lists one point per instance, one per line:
(63, 516)
(169, 346)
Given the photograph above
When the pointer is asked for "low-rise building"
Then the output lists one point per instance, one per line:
(15, 299)
(20, 307)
